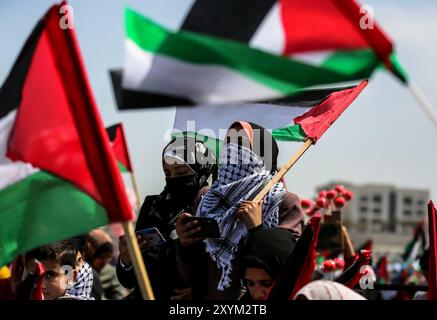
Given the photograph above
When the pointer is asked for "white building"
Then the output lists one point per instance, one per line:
(384, 213)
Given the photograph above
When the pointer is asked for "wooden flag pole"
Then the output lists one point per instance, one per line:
(423, 102)
(283, 171)
(137, 261)
(134, 184)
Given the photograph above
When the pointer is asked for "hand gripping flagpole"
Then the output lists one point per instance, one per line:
(278, 176)
(137, 261)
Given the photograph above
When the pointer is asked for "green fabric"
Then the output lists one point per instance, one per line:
(398, 70)
(122, 168)
(279, 73)
(41, 209)
(290, 133)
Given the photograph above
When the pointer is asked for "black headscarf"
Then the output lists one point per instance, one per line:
(268, 249)
(266, 137)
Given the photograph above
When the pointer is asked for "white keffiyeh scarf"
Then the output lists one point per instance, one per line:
(83, 285)
(242, 175)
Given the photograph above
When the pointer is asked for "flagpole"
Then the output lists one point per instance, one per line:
(283, 170)
(137, 261)
(134, 184)
(423, 101)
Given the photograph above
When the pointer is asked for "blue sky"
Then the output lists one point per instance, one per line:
(384, 137)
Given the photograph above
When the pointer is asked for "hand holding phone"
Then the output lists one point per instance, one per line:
(208, 227)
(189, 229)
(186, 231)
(153, 237)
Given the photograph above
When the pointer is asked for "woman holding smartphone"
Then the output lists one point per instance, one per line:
(248, 162)
(189, 167)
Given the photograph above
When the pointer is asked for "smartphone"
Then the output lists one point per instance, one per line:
(209, 227)
(330, 234)
(152, 235)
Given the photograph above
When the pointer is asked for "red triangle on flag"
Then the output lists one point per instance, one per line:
(57, 126)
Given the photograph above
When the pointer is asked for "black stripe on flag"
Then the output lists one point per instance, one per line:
(11, 90)
(230, 19)
(112, 131)
(129, 99)
(306, 98)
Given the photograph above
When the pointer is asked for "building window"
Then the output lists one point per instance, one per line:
(363, 199)
(363, 210)
(407, 212)
(420, 203)
(420, 213)
(408, 201)
(377, 210)
(377, 198)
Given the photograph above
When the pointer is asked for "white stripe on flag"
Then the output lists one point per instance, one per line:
(270, 34)
(213, 120)
(145, 71)
(315, 58)
(11, 172)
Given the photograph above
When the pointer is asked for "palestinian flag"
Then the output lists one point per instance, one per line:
(325, 33)
(416, 244)
(306, 115)
(432, 267)
(216, 57)
(119, 147)
(382, 274)
(58, 177)
(352, 275)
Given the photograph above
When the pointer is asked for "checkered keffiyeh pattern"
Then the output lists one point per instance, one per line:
(242, 175)
(84, 283)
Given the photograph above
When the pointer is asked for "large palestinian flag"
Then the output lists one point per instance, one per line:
(306, 115)
(226, 52)
(58, 177)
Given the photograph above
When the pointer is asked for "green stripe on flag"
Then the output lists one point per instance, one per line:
(398, 70)
(290, 133)
(280, 73)
(122, 168)
(355, 63)
(41, 209)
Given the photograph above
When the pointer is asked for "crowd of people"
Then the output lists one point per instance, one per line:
(255, 242)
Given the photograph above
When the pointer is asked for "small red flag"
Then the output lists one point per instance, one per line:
(119, 145)
(432, 273)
